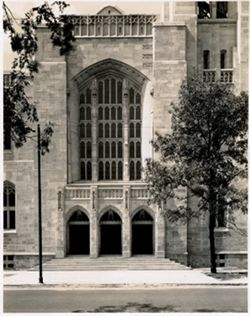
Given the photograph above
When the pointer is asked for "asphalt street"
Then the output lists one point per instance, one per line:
(169, 299)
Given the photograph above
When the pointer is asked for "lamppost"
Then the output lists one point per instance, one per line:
(39, 205)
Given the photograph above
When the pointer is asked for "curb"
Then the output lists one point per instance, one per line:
(64, 286)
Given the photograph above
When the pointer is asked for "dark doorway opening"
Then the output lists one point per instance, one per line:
(110, 234)
(79, 234)
(142, 234)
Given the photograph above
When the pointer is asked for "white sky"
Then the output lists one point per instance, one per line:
(82, 7)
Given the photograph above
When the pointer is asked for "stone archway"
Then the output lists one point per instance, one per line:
(78, 234)
(142, 233)
(110, 233)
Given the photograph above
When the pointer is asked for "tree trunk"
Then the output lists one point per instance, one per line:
(212, 222)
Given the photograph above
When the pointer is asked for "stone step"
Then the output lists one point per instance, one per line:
(80, 263)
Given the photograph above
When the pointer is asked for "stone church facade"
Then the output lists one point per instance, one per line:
(106, 100)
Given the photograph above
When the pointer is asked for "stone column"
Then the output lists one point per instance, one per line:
(125, 131)
(126, 225)
(159, 234)
(94, 130)
(60, 238)
(93, 224)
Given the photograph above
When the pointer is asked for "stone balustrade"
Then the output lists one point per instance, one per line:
(107, 192)
(113, 25)
(222, 75)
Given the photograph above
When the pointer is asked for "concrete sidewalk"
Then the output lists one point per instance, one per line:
(120, 278)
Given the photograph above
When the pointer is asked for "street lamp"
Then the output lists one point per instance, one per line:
(39, 205)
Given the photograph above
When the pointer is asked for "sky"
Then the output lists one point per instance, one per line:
(18, 8)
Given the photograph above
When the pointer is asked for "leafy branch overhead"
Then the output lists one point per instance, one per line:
(19, 109)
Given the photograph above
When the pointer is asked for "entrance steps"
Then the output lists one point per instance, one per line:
(109, 263)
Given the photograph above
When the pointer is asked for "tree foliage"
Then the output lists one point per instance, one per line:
(205, 152)
(19, 109)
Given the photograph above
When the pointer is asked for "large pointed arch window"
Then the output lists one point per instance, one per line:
(113, 107)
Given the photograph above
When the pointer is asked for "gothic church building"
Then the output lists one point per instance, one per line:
(106, 100)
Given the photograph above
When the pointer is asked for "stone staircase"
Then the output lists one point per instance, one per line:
(109, 263)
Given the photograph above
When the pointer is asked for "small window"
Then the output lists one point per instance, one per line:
(9, 206)
(7, 139)
(8, 262)
(223, 59)
(206, 59)
(204, 10)
(221, 9)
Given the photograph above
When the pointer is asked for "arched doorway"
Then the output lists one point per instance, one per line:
(142, 233)
(110, 234)
(78, 232)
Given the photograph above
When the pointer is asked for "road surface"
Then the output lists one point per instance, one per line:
(170, 299)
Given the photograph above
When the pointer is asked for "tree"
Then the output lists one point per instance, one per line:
(20, 112)
(205, 152)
